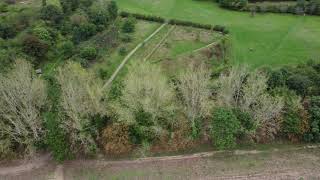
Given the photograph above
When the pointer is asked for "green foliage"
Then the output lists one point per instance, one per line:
(33, 46)
(233, 4)
(69, 5)
(113, 10)
(224, 128)
(83, 32)
(123, 51)
(51, 13)
(247, 123)
(142, 17)
(99, 14)
(56, 137)
(89, 53)
(126, 38)
(314, 110)
(7, 30)
(128, 25)
(66, 49)
(299, 83)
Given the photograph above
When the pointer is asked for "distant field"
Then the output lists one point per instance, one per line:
(266, 39)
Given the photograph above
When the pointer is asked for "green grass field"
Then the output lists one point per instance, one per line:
(266, 39)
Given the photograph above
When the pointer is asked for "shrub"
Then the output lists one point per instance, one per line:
(56, 137)
(142, 16)
(66, 49)
(113, 10)
(81, 102)
(147, 102)
(224, 128)
(33, 46)
(43, 34)
(51, 13)
(7, 30)
(299, 83)
(69, 5)
(116, 140)
(99, 16)
(123, 51)
(247, 123)
(128, 25)
(314, 111)
(83, 32)
(78, 19)
(194, 88)
(89, 53)
(126, 38)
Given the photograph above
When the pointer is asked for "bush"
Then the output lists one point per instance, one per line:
(69, 5)
(89, 53)
(299, 83)
(123, 51)
(51, 13)
(43, 34)
(113, 10)
(83, 32)
(314, 111)
(142, 17)
(224, 128)
(247, 123)
(33, 46)
(56, 137)
(128, 25)
(126, 38)
(7, 30)
(66, 49)
(116, 140)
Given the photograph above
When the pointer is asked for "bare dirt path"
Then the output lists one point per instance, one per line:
(25, 166)
(42, 161)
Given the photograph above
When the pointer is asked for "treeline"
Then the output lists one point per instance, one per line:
(217, 28)
(69, 114)
(300, 7)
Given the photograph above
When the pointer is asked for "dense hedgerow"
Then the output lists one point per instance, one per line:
(143, 17)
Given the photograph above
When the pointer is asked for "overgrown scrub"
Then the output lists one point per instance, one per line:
(224, 128)
(146, 103)
(116, 139)
(81, 101)
(56, 137)
(240, 88)
(194, 88)
(22, 96)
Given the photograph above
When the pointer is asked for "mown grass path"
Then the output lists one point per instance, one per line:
(114, 75)
(266, 39)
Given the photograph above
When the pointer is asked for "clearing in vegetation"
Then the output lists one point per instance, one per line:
(266, 39)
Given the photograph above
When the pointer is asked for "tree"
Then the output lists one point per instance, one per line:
(147, 101)
(247, 91)
(22, 96)
(83, 32)
(69, 6)
(193, 85)
(224, 128)
(51, 13)
(113, 10)
(81, 98)
(128, 25)
(33, 46)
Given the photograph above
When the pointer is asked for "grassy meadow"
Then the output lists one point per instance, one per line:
(263, 40)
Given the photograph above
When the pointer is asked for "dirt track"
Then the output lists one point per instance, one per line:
(272, 164)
